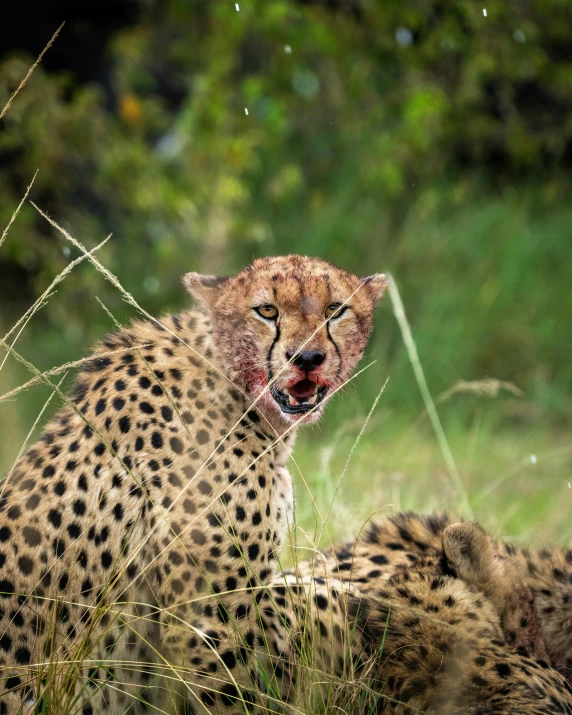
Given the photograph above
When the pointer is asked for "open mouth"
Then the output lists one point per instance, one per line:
(303, 396)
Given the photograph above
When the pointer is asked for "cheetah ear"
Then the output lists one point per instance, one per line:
(203, 288)
(377, 284)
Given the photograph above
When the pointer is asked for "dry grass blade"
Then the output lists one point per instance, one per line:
(6, 479)
(17, 211)
(65, 368)
(58, 279)
(350, 455)
(487, 387)
(29, 73)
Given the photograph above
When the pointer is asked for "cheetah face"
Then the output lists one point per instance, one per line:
(289, 330)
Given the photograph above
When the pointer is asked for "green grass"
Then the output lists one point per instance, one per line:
(504, 459)
(464, 452)
(514, 480)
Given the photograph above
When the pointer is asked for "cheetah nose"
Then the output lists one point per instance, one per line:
(307, 360)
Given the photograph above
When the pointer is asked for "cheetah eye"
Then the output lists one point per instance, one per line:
(270, 312)
(335, 310)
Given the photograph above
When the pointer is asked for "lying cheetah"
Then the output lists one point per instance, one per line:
(452, 630)
(137, 532)
(404, 538)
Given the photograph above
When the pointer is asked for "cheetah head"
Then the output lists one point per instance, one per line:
(289, 330)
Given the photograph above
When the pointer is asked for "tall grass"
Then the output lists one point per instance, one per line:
(516, 481)
(493, 475)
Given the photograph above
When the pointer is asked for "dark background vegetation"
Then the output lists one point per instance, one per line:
(420, 137)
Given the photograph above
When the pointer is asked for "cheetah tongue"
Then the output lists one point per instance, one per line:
(303, 390)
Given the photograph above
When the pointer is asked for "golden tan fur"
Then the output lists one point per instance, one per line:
(137, 532)
(457, 621)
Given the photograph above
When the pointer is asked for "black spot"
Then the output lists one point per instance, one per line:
(240, 513)
(48, 472)
(5, 642)
(223, 614)
(59, 547)
(99, 449)
(205, 488)
(5, 533)
(242, 611)
(55, 518)
(74, 530)
(106, 559)
(139, 444)
(479, 682)
(166, 413)
(202, 436)
(79, 507)
(146, 408)
(26, 565)
(198, 537)
(100, 406)
(118, 511)
(214, 520)
(379, 559)
(82, 483)
(262, 480)
(60, 488)
(118, 403)
(157, 440)
(32, 502)
(207, 698)
(6, 588)
(176, 445)
(23, 656)
(32, 536)
(238, 452)
(120, 385)
(253, 551)
(503, 669)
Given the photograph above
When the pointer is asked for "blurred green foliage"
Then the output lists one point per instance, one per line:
(425, 138)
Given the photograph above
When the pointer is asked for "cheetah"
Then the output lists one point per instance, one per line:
(404, 538)
(453, 630)
(137, 532)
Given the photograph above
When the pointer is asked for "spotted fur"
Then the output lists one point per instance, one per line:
(437, 617)
(137, 532)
